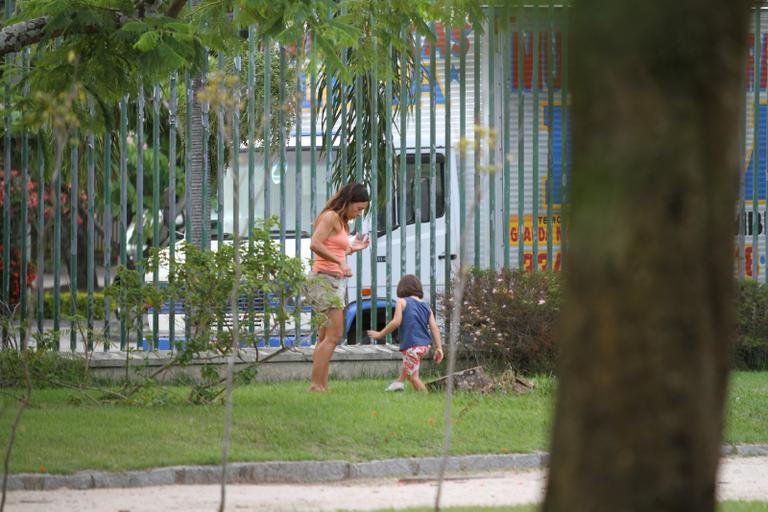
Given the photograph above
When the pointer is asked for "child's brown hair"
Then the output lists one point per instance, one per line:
(410, 286)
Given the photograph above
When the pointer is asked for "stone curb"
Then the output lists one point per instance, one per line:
(303, 471)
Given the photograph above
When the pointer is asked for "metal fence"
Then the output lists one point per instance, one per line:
(476, 152)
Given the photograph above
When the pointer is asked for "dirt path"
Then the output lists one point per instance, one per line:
(739, 479)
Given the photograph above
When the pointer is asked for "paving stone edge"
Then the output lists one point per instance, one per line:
(304, 471)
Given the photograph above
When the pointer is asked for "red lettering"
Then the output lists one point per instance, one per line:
(527, 235)
(454, 40)
(542, 234)
(513, 233)
(545, 72)
(528, 262)
(542, 261)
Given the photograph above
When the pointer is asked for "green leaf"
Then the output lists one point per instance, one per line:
(333, 62)
(148, 41)
(135, 26)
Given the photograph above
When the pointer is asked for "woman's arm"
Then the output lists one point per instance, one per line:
(393, 324)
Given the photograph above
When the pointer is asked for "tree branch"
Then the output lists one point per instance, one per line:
(15, 37)
(22, 34)
(175, 8)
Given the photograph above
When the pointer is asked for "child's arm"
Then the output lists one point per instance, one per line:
(436, 338)
(393, 324)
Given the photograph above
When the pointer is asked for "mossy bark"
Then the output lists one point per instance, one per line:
(657, 92)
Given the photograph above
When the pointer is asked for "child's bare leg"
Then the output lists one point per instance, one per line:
(416, 381)
(403, 375)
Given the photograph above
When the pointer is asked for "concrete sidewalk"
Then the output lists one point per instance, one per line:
(740, 478)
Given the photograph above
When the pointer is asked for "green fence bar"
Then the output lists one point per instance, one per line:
(107, 219)
(299, 182)
(220, 138)
(123, 146)
(251, 84)
(313, 165)
(389, 183)
(40, 284)
(521, 41)
(564, 136)
(206, 195)
(374, 212)
(491, 15)
(550, 134)
(344, 137)
(251, 106)
(74, 193)
(358, 221)
(172, 106)
(476, 146)
(328, 133)
(313, 146)
(432, 168)
(57, 229)
(189, 101)
(24, 224)
(7, 176)
(402, 103)
(447, 170)
(140, 104)
(220, 165)
(283, 163)
(90, 185)
(756, 145)
(463, 129)
(267, 148)
(236, 183)
(507, 84)
(267, 121)
(283, 156)
(156, 99)
(417, 81)
(536, 42)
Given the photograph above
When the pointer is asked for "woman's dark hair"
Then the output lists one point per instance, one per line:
(348, 194)
(410, 286)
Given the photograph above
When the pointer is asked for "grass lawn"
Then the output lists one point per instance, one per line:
(356, 421)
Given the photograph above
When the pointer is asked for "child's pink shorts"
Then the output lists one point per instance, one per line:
(412, 358)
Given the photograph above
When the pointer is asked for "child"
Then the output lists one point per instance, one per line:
(416, 321)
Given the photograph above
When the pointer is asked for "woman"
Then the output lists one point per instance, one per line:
(331, 244)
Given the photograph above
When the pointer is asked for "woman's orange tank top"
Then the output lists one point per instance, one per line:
(337, 245)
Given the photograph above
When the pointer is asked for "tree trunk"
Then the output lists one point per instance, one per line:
(657, 97)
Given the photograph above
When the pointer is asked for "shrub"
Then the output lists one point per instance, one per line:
(509, 318)
(46, 369)
(750, 348)
(82, 304)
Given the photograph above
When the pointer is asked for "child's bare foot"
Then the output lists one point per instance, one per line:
(314, 388)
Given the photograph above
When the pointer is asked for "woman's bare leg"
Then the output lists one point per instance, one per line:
(321, 358)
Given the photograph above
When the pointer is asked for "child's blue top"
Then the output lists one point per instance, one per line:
(414, 327)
